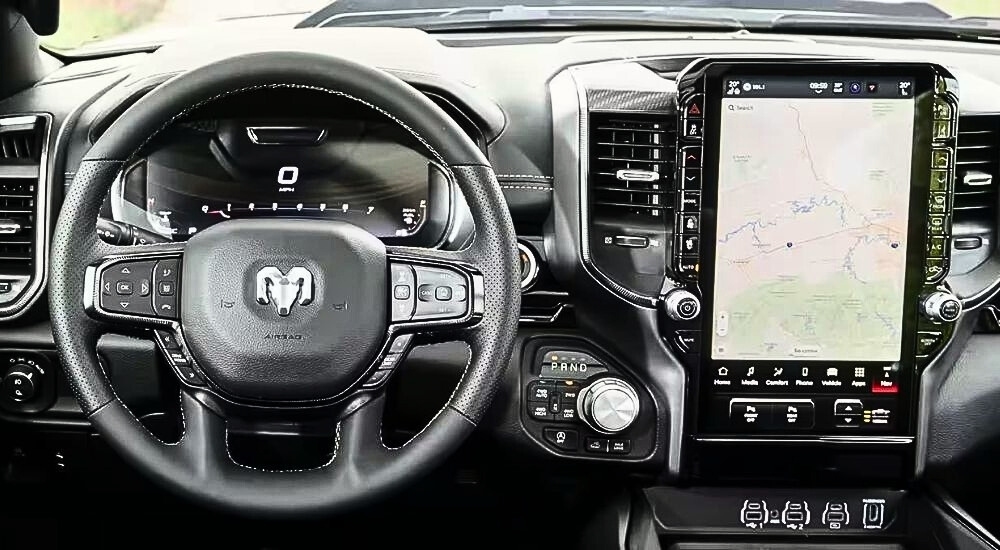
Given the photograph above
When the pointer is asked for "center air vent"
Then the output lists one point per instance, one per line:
(631, 166)
(630, 195)
(22, 171)
(977, 169)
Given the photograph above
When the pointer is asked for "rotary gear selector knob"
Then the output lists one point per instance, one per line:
(609, 405)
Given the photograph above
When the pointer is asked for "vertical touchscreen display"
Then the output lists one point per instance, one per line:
(812, 216)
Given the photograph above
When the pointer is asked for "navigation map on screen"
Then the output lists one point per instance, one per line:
(813, 201)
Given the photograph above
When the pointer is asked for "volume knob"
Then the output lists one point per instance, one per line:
(681, 305)
(609, 405)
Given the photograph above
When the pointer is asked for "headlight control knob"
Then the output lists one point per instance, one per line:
(609, 405)
(20, 384)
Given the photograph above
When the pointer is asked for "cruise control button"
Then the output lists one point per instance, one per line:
(431, 304)
(461, 293)
(566, 440)
(425, 293)
(442, 293)
(401, 292)
(402, 276)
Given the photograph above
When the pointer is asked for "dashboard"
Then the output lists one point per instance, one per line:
(776, 248)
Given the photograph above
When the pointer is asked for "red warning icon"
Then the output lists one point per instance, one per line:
(693, 110)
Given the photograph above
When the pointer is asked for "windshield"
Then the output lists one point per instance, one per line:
(122, 24)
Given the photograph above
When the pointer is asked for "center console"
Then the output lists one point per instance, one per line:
(811, 242)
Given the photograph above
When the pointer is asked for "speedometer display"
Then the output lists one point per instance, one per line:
(206, 173)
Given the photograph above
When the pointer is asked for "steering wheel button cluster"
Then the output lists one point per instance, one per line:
(118, 288)
(441, 293)
(403, 281)
(165, 280)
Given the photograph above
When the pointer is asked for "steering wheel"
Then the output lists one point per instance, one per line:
(276, 317)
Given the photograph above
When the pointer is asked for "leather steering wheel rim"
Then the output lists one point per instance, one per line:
(362, 469)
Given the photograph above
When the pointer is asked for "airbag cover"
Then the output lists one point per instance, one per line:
(256, 325)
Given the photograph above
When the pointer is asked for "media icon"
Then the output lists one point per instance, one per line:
(854, 88)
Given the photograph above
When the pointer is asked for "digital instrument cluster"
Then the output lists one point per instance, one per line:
(208, 172)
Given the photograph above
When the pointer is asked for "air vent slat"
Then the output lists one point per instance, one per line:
(632, 159)
(20, 163)
(977, 169)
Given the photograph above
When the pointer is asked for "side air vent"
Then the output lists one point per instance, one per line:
(631, 166)
(22, 210)
(20, 141)
(977, 169)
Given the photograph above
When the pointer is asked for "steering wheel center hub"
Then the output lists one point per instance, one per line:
(284, 310)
